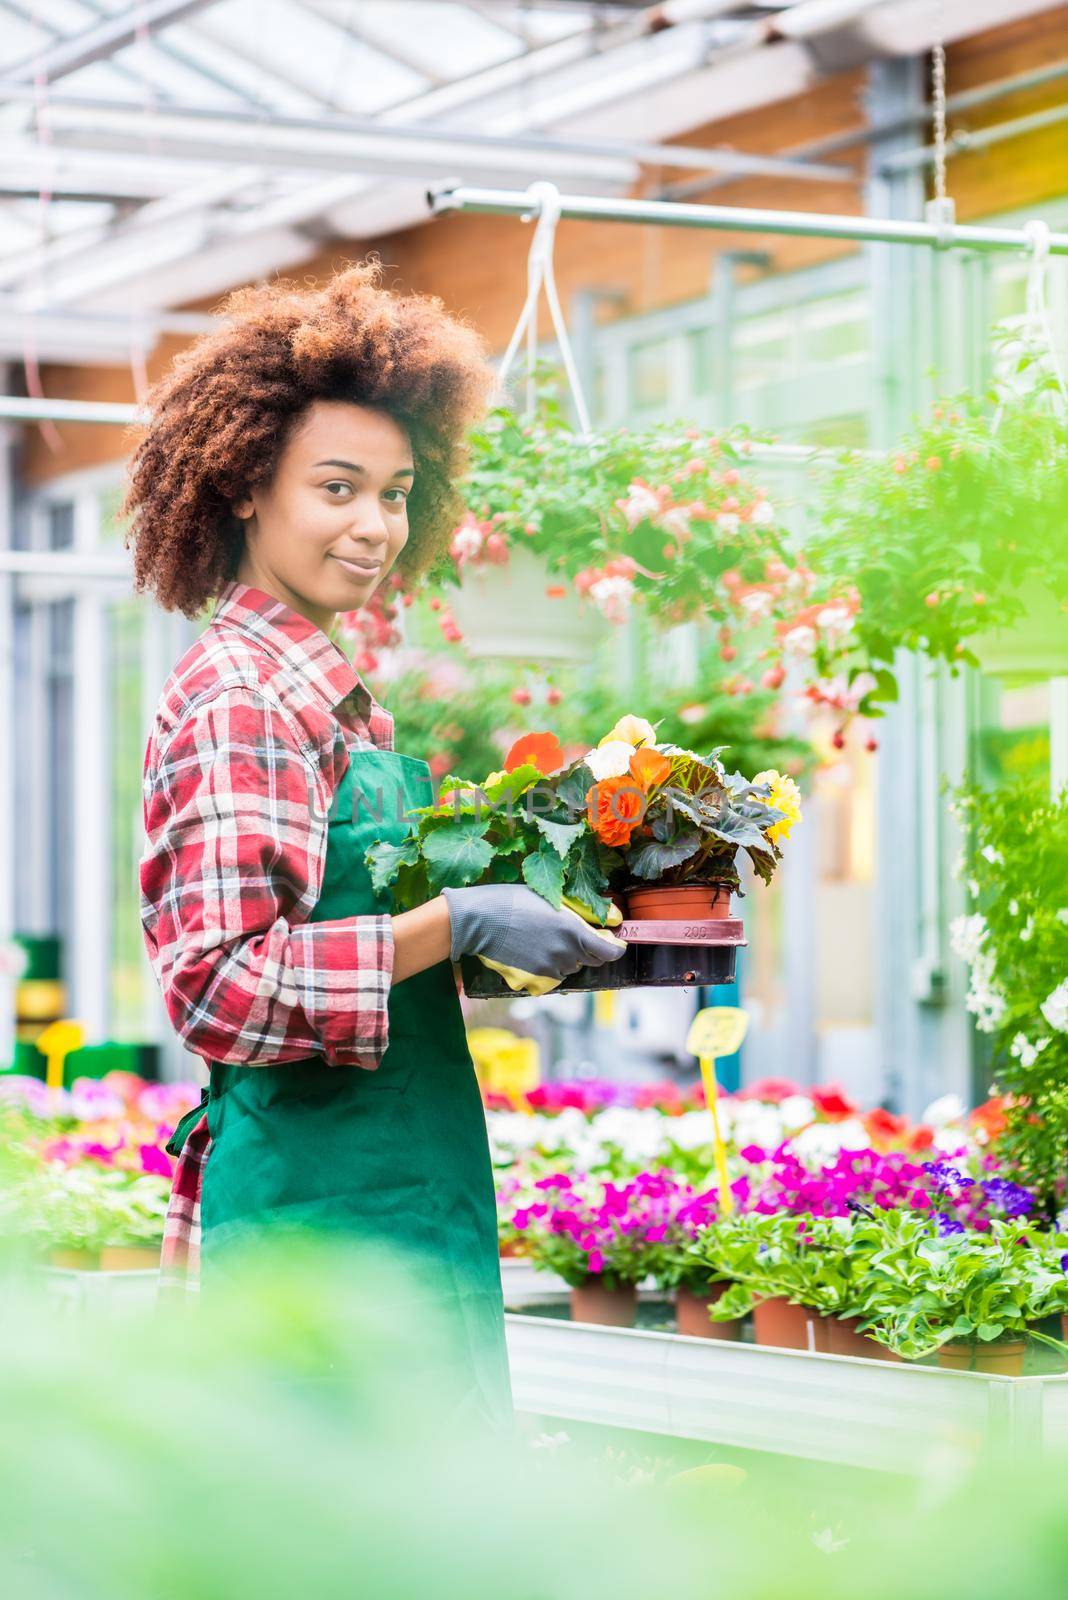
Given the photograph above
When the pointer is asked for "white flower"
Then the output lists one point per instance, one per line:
(757, 603)
(728, 522)
(821, 1142)
(984, 999)
(466, 542)
(800, 641)
(995, 857)
(1028, 930)
(796, 1111)
(676, 521)
(941, 1112)
(1014, 908)
(836, 622)
(967, 936)
(640, 504)
(1026, 1052)
(1055, 1008)
(1062, 916)
(609, 760)
(973, 888)
(958, 866)
(612, 596)
(762, 514)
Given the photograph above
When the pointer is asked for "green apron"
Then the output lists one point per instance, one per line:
(396, 1156)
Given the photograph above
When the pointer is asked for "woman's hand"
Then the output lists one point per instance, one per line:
(512, 925)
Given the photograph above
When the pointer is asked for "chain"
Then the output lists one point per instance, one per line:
(939, 73)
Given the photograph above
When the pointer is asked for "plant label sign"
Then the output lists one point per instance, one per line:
(717, 1031)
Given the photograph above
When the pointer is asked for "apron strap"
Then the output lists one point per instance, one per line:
(186, 1125)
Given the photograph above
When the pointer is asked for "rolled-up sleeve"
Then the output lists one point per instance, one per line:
(235, 815)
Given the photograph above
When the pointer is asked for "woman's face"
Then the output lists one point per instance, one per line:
(322, 535)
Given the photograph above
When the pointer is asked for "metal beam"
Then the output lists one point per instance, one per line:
(102, 40)
(265, 130)
(736, 219)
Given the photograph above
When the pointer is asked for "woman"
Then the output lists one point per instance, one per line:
(296, 457)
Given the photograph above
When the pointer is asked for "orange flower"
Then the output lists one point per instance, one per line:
(650, 767)
(615, 806)
(542, 750)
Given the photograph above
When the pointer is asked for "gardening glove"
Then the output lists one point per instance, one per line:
(508, 924)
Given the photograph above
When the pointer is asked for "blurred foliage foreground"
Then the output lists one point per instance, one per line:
(285, 1438)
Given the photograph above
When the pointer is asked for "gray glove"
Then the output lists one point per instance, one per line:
(511, 924)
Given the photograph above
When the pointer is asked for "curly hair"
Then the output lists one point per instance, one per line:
(221, 416)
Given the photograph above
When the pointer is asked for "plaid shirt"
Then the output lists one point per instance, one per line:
(252, 736)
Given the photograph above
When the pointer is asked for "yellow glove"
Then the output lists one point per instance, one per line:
(521, 982)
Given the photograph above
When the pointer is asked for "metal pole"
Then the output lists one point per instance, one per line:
(736, 219)
(14, 408)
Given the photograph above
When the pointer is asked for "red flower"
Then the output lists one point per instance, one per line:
(833, 1102)
(615, 806)
(883, 1126)
(921, 1138)
(541, 750)
(773, 1090)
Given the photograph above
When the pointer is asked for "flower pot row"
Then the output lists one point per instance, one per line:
(781, 1324)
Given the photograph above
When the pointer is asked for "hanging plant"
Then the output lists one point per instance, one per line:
(664, 518)
(949, 540)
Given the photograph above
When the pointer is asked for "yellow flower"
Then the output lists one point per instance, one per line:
(632, 730)
(785, 796)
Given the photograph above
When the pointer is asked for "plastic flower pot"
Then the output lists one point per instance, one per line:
(1003, 1358)
(129, 1258)
(842, 1339)
(504, 611)
(692, 1319)
(780, 1323)
(594, 1302)
(1033, 648)
(679, 902)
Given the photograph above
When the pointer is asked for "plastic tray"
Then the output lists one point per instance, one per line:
(660, 955)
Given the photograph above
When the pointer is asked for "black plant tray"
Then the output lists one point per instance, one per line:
(649, 963)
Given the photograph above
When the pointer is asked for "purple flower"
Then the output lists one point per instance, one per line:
(948, 1225)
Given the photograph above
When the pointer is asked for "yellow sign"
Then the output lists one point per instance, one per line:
(56, 1043)
(717, 1031)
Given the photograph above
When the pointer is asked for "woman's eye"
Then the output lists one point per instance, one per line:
(403, 495)
(337, 484)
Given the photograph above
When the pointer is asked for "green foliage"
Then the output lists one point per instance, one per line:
(1016, 943)
(938, 536)
(692, 825)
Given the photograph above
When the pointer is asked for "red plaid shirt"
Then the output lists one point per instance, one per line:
(252, 736)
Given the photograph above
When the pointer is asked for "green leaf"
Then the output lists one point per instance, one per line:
(544, 872)
(586, 877)
(989, 1330)
(653, 859)
(572, 788)
(561, 835)
(457, 855)
(512, 783)
(385, 861)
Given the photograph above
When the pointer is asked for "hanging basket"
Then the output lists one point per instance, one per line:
(505, 612)
(1032, 649)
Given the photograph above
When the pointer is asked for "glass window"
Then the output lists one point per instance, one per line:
(649, 374)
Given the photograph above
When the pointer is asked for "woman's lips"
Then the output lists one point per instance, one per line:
(359, 569)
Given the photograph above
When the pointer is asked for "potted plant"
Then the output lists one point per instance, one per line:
(631, 823)
(601, 1237)
(971, 1298)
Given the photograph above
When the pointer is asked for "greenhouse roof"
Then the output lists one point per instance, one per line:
(159, 152)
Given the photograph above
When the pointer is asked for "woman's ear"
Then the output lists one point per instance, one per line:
(243, 509)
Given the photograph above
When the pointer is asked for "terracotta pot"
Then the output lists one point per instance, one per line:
(816, 1328)
(691, 1314)
(779, 1322)
(129, 1258)
(75, 1260)
(844, 1340)
(1003, 1357)
(611, 1308)
(686, 902)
